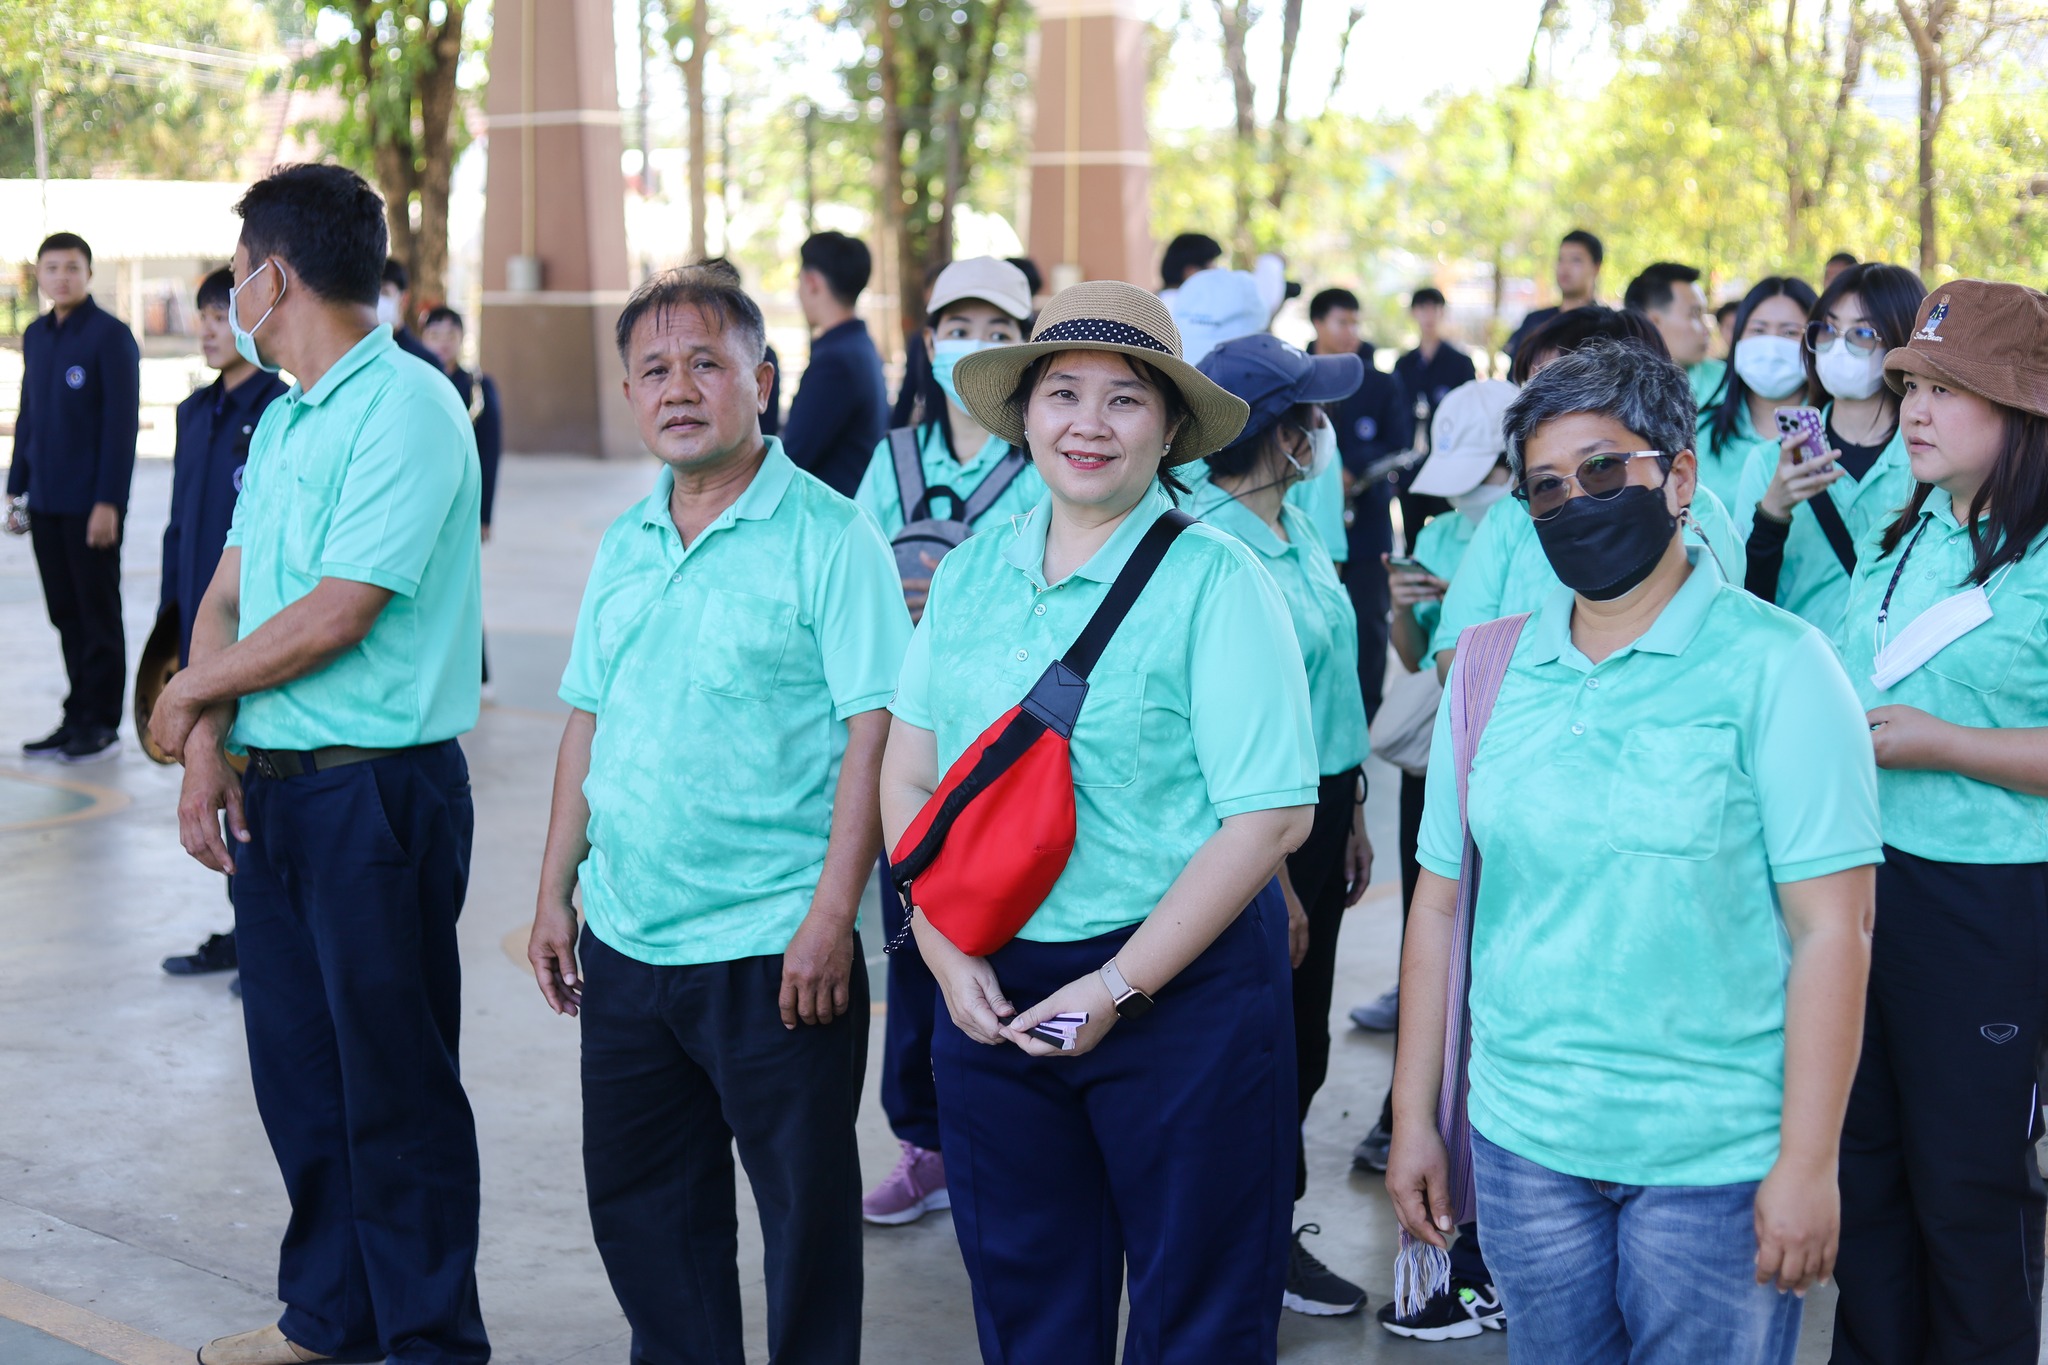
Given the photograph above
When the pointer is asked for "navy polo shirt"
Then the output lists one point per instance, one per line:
(81, 393)
(214, 428)
(841, 410)
(1436, 376)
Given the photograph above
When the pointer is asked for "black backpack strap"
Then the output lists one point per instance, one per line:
(1130, 581)
(909, 471)
(993, 486)
(1839, 540)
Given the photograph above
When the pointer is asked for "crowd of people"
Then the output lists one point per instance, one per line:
(1727, 672)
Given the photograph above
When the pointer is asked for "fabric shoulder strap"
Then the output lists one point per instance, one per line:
(993, 486)
(909, 464)
(1482, 658)
(1839, 540)
(1130, 581)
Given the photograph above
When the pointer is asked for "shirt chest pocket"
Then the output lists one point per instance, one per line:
(1106, 737)
(1669, 792)
(306, 523)
(741, 642)
(1983, 660)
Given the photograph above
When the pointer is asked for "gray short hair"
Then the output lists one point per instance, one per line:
(711, 287)
(1620, 379)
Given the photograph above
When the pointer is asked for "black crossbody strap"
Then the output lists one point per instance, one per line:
(1137, 571)
(909, 472)
(992, 487)
(1839, 540)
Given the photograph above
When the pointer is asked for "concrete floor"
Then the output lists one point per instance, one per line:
(134, 1178)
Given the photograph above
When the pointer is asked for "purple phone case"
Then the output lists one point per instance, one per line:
(1805, 422)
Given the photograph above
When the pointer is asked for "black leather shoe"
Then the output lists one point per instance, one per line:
(50, 745)
(217, 954)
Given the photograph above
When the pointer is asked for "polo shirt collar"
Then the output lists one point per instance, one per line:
(1674, 629)
(1234, 517)
(1942, 508)
(1026, 550)
(87, 306)
(243, 394)
(375, 343)
(757, 502)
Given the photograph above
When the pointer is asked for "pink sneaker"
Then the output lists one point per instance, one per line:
(913, 1189)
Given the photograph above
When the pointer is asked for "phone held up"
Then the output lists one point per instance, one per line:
(1404, 564)
(1805, 423)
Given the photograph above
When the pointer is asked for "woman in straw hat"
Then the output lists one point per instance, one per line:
(1160, 1146)
(1946, 640)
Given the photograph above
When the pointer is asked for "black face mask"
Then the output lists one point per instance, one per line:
(1603, 548)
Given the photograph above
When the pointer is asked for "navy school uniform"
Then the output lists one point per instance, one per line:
(1373, 422)
(215, 425)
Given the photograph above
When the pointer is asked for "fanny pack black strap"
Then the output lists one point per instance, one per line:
(1081, 656)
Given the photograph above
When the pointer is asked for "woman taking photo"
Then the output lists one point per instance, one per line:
(1946, 640)
(1288, 440)
(968, 474)
(1802, 546)
(1160, 1146)
(1766, 371)
(1672, 796)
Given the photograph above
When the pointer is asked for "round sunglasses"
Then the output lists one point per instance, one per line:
(1600, 477)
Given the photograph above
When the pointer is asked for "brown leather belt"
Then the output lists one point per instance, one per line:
(283, 763)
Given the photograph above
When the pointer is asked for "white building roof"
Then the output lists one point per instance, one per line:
(124, 220)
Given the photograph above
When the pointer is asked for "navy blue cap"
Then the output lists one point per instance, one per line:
(1273, 376)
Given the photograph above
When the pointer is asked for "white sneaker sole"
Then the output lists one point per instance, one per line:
(1296, 1303)
(106, 755)
(937, 1199)
(1457, 1331)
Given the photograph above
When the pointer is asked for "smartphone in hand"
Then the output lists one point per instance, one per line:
(1806, 423)
(1404, 564)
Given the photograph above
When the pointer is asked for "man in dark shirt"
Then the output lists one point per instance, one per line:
(215, 425)
(1579, 257)
(394, 309)
(74, 456)
(1435, 366)
(841, 409)
(442, 334)
(1371, 424)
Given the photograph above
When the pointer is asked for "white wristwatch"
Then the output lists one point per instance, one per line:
(1129, 1000)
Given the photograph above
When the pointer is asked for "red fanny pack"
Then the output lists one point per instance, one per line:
(989, 844)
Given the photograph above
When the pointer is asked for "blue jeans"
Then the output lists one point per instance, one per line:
(1593, 1272)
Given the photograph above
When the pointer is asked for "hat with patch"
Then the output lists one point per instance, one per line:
(1983, 337)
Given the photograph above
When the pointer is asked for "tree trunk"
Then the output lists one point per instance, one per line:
(894, 247)
(1926, 32)
(1236, 20)
(391, 148)
(437, 157)
(693, 84)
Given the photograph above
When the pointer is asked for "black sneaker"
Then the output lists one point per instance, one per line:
(94, 745)
(50, 745)
(1312, 1288)
(1371, 1153)
(217, 954)
(1463, 1310)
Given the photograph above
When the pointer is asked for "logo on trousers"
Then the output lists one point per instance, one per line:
(2000, 1033)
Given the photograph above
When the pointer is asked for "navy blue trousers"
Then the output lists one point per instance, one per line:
(908, 1096)
(679, 1064)
(1942, 1200)
(1166, 1154)
(346, 898)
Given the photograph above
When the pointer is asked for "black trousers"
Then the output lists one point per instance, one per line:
(909, 1095)
(346, 898)
(1372, 601)
(1942, 1202)
(1316, 870)
(82, 590)
(678, 1063)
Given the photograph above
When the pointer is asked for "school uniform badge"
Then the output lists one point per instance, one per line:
(75, 376)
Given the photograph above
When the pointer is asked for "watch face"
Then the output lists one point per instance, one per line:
(1133, 1005)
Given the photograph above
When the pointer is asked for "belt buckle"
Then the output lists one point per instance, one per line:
(260, 759)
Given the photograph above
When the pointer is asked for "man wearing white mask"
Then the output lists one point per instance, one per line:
(1768, 371)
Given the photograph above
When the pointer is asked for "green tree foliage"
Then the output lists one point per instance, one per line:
(165, 89)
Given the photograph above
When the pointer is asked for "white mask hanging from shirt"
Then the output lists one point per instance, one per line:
(1932, 631)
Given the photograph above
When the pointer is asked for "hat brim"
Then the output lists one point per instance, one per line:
(1332, 379)
(1993, 381)
(986, 380)
(1447, 473)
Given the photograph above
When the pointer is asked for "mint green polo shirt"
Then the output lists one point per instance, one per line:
(372, 476)
(1322, 500)
(1812, 584)
(879, 496)
(1198, 709)
(1325, 623)
(1995, 677)
(722, 677)
(1440, 545)
(1634, 818)
(1505, 572)
(1704, 379)
(1722, 464)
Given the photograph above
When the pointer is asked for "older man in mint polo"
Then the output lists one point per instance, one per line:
(341, 639)
(715, 802)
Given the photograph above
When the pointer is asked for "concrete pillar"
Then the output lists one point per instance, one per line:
(1091, 161)
(555, 267)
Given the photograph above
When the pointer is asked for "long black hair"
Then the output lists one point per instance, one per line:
(1890, 295)
(2016, 492)
(1719, 413)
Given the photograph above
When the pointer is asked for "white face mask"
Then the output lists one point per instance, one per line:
(1477, 502)
(387, 310)
(1846, 374)
(1771, 366)
(1322, 448)
(1932, 631)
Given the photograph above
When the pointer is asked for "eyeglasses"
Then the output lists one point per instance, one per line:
(1599, 477)
(1862, 339)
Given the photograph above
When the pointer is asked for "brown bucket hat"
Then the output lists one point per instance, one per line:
(1103, 315)
(1982, 337)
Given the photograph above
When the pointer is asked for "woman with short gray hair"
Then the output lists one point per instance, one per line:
(1671, 787)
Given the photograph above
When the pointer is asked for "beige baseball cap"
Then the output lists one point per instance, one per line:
(987, 278)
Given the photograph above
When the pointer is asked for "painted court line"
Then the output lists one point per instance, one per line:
(115, 1341)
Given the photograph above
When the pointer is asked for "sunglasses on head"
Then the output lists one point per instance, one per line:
(1600, 477)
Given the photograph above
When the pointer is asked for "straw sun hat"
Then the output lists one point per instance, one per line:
(1103, 315)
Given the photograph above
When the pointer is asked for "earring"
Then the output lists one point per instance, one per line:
(1166, 449)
